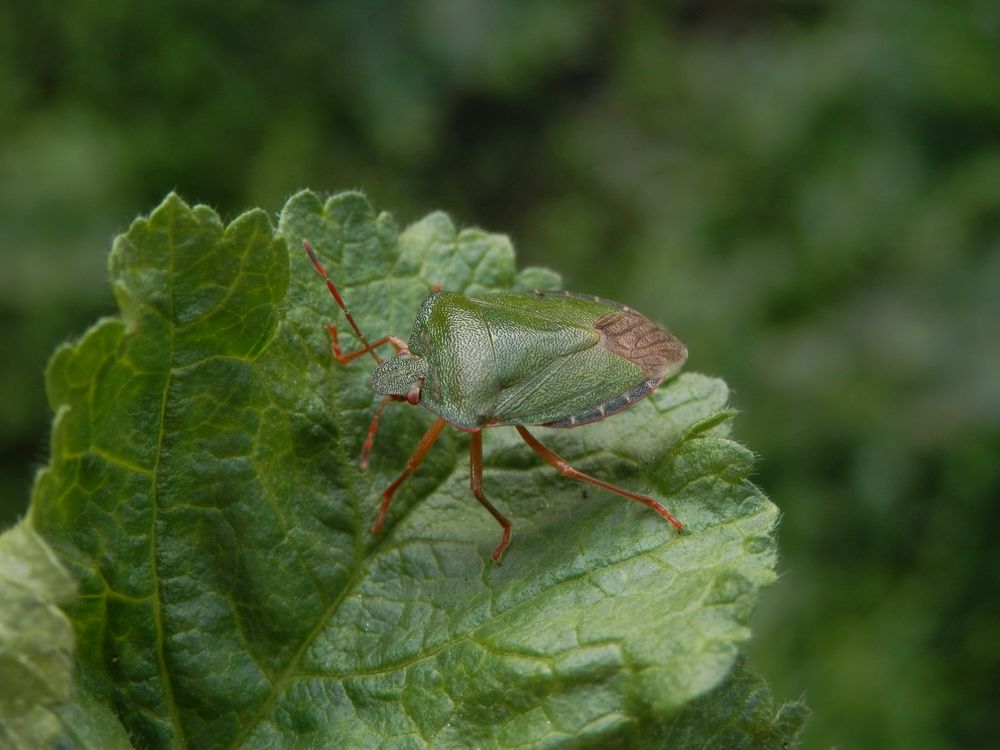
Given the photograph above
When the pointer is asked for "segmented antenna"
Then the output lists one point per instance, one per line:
(336, 295)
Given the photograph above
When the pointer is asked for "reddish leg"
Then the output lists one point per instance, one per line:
(366, 449)
(476, 480)
(568, 471)
(344, 359)
(411, 465)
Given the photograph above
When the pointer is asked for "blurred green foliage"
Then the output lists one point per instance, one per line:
(807, 191)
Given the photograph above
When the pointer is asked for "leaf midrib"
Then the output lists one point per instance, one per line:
(165, 677)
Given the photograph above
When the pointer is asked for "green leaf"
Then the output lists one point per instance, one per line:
(36, 640)
(204, 488)
(740, 714)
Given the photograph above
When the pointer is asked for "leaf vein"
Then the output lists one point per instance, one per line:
(156, 598)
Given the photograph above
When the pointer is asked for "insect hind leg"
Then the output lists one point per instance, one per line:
(564, 468)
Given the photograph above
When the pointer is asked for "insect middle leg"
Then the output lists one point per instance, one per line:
(476, 480)
(563, 467)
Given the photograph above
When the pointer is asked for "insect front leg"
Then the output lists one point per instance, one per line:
(563, 467)
(412, 463)
(366, 449)
(476, 480)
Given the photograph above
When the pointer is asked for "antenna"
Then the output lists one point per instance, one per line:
(340, 301)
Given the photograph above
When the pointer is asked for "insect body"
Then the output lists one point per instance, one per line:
(552, 359)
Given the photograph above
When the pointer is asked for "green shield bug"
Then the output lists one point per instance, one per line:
(548, 359)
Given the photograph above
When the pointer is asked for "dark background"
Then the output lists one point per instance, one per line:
(807, 192)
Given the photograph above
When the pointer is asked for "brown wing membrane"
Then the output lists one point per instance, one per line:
(637, 339)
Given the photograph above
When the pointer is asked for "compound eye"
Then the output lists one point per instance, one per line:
(413, 395)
